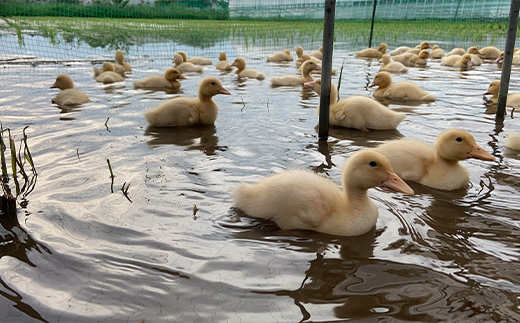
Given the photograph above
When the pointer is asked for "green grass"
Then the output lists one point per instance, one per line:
(120, 33)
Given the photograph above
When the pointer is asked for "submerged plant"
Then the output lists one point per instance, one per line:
(23, 172)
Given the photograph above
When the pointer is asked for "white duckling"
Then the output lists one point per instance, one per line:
(411, 59)
(108, 76)
(422, 46)
(475, 58)
(437, 167)
(457, 51)
(437, 52)
(490, 52)
(513, 99)
(293, 80)
(242, 71)
(223, 64)
(463, 61)
(301, 199)
(284, 56)
(372, 52)
(407, 91)
(513, 140)
(358, 112)
(196, 60)
(185, 67)
(120, 59)
(170, 79)
(317, 53)
(183, 111)
(68, 95)
(393, 67)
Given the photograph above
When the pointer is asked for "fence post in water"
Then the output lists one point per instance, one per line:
(508, 59)
(326, 69)
(372, 26)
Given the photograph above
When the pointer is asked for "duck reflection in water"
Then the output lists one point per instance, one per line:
(202, 138)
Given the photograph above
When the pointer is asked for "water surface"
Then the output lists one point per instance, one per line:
(80, 253)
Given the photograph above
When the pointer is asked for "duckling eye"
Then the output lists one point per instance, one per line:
(213, 83)
(459, 139)
(373, 164)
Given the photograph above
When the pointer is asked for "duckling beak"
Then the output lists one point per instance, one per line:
(182, 77)
(395, 183)
(479, 153)
(53, 86)
(309, 84)
(498, 60)
(372, 84)
(470, 63)
(318, 67)
(223, 91)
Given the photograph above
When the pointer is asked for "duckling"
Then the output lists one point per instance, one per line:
(515, 61)
(108, 76)
(301, 199)
(389, 66)
(358, 112)
(117, 68)
(185, 67)
(513, 99)
(223, 64)
(372, 52)
(463, 61)
(437, 167)
(437, 52)
(293, 80)
(170, 79)
(398, 91)
(411, 59)
(400, 50)
(281, 57)
(457, 51)
(183, 111)
(306, 57)
(242, 71)
(475, 59)
(513, 140)
(317, 53)
(490, 52)
(196, 60)
(68, 95)
(423, 46)
(120, 59)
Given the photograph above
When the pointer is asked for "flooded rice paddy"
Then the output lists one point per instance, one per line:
(178, 252)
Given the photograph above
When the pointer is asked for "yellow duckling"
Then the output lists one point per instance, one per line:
(242, 71)
(169, 80)
(398, 91)
(301, 199)
(183, 111)
(438, 166)
(68, 95)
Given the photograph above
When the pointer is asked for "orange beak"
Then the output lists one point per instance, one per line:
(479, 153)
(395, 183)
(223, 91)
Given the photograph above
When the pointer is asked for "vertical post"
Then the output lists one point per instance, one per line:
(326, 69)
(372, 26)
(508, 59)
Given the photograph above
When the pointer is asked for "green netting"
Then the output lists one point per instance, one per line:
(88, 30)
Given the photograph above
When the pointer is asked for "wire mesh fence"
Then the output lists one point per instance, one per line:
(86, 30)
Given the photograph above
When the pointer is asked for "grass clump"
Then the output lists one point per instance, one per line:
(23, 172)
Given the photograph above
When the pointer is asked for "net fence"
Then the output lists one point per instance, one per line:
(88, 31)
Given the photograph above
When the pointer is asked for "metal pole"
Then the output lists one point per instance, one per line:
(372, 27)
(326, 68)
(508, 59)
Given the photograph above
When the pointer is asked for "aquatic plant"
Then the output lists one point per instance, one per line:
(23, 172)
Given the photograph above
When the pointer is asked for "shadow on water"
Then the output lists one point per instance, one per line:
(203, 138)
(16, 242)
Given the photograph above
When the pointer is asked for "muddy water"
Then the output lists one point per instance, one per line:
(80, 253)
